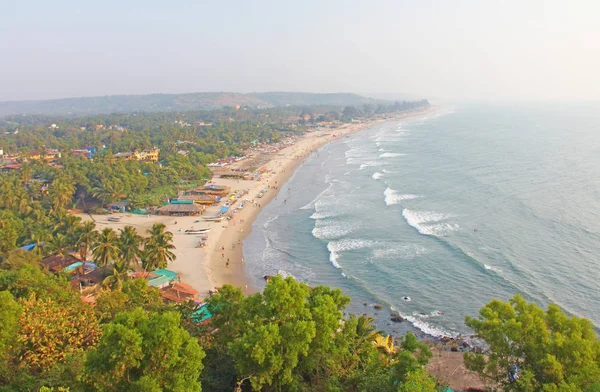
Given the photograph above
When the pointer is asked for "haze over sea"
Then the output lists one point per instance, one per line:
(449, 210)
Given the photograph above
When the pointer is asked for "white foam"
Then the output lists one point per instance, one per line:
(333, 258)
(394, 197)
(377, 175)
(381, 150)
(420, 220)
(390, 155)
(429, 329)
(324, 214)
(395, 251)
(369, 164)
(330, 231)
(491, 268)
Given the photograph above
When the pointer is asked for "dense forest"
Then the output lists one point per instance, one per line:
(290, 337)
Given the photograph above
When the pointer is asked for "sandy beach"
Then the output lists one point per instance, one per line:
(221, 260)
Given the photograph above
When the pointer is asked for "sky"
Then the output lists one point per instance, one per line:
(464, 50)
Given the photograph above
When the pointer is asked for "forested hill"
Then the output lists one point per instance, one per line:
(176, 102)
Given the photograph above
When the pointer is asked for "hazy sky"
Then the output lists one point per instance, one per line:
(476, 49)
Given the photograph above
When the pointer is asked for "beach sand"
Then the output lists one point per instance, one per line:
(206, 268)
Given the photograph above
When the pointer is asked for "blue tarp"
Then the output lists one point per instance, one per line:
(224, 209)
(72, 266)
(28, 247)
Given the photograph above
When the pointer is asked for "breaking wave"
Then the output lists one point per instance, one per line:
(394, 197)
(427, 222)
(390, 155)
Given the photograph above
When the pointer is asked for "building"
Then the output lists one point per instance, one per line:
(201, 198)
(59, 263)
(212, 190)
(50, 154)
(180, 209)
(179, 292)
(144, 156)
(84, 153)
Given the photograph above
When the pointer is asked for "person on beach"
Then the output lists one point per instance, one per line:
(227, 264)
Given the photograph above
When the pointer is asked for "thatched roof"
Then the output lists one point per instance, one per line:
(199, 198)
(180, 208)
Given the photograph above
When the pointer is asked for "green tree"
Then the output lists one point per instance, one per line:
(130, 246)
(141, 351)
(86, 236)
(10, 311)
(119, 274)
(51, 330)
(278, 333)
(529, 349)
(106, 247)
(61, 192)
(109, 191)
(135, 293)
(158, 248)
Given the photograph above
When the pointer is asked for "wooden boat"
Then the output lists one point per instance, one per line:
(198, 231)
(114, 219)
(213, 218)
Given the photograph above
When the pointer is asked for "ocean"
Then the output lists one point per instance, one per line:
(434, 216)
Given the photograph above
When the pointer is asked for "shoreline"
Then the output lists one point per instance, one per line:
(221, 260)
(284, 165)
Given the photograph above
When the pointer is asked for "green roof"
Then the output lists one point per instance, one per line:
(164, 272)
(201, 314)
(160, 281)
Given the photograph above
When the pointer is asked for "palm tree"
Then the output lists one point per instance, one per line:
(129, 244)
(106, 247)
(365, 329)
(385, 345)
(87, 236)
(61, 192)
(119, 274)
(41, 236)
(59, 243)
(157, 251)
(108, 190)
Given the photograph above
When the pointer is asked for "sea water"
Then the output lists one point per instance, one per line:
(434, 216)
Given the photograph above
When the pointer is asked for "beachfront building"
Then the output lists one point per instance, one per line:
(201, 198)
(212, 189)
(178, 209)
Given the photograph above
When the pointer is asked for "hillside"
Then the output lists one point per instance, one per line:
(175, 102)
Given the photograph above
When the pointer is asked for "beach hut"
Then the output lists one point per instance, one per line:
(180, 209)
(201, 198)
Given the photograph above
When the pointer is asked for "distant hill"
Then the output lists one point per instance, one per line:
(175, 102)
(300, 99)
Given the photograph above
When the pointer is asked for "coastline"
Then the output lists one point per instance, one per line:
(283, 164)
(206, 268)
